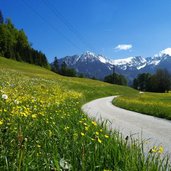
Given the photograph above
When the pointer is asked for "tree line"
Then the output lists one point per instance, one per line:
(14, 44)
(63, 69)
(157, 82)
(116, 79)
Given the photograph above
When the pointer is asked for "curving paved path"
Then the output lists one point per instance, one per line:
(155, 130)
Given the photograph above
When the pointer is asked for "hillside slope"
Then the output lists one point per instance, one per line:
(91, 89)
(42, 126)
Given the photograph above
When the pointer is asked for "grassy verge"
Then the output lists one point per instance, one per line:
(155, 104)
(43, 128)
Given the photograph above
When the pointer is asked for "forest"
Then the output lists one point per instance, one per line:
(14, 44)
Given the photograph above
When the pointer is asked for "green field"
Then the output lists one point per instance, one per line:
(155, 104)
(42, 126)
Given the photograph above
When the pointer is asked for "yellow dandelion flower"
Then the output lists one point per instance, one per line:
(106, 136)
(86, 128)
(82, 134)
(94, 123)
(153, 150)
(97, 133)
(99, 140)
(1, 122)
(160, 149)
(34, 116)
(38, 145)
(85, 124)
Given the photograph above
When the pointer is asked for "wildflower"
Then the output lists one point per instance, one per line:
(99, 140)
(94, 123)
(34, 116)
(106, 136)
(82, 134)
(16, 102)
(1, 122)
(85, 124)
(154, 149)
(64, 164)
(4, 96)
(86, 128)
(38, 145)
(97, 133)
(160, 149)
(66, 128)
(26, 139)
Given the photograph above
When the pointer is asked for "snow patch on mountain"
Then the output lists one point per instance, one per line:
(142, 66)
(137, 62)
(164, 52)
(154, 60)
(103, 59)
(122, 61)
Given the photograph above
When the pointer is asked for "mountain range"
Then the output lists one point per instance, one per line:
(98, 66)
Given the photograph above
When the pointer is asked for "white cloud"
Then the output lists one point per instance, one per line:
(123, 47)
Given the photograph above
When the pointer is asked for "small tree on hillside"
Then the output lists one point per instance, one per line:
(163, 80)
(55, 65)
(63, 68)
(1, 18)
(142, 82)
(116, 79)
(67, 71)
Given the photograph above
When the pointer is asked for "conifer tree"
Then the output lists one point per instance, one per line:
(55, 65)
(1, 18)
(63, 68)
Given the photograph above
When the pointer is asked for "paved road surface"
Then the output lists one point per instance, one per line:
(156, 130)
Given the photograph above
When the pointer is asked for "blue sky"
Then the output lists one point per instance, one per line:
(113, 28)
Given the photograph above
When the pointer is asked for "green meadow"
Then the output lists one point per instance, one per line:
(155, 104)
(42, 126)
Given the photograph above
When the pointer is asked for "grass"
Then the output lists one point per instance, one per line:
(43, 128)
(155, 104)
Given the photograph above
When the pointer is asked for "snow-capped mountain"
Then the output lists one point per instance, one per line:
(92, 65)
(129, 62)
(85, 57)
(89, 64)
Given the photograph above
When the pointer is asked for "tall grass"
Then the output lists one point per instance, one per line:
(155, 104)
